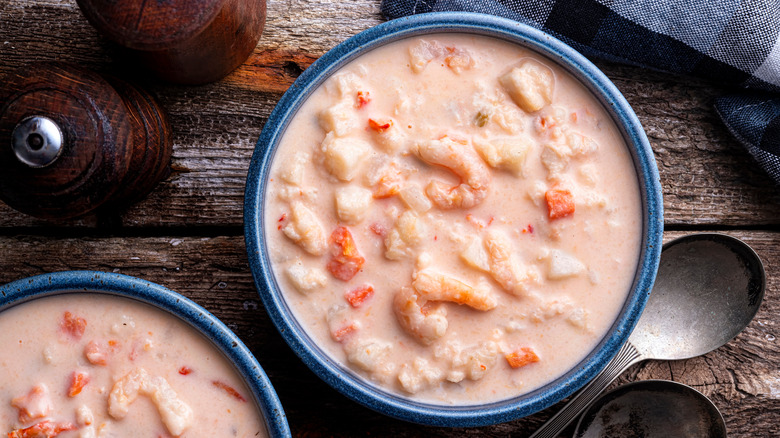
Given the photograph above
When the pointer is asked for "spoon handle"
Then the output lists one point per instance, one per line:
(626, 356)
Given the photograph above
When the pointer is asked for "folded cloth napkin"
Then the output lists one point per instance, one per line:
(734, 42)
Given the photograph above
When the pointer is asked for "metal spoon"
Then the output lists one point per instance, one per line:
(652, 409)
(708, 288)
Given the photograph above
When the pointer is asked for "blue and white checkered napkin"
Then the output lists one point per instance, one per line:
(734, 42)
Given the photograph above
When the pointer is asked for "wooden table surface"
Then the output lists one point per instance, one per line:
(187, 234)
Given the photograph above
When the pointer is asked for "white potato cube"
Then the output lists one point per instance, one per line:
(563, 265)
(340, 119)
(475, 255)
(345, 84)
(306, 230)
(580, 144)
(368, 355)
(419, 375)
(352, 203)
(407, 233)
(343, 156)
(414, 197)
(391, 140)
(293, 170)
(530, 85)
(305, 279)
(556, 157)
(504, 153)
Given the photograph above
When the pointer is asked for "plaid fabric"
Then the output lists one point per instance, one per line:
(734, 42)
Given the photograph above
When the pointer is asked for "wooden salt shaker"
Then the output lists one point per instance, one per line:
(183, 41)
(73, 141)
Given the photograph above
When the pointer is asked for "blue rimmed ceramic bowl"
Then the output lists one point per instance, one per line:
(340, 377)
(79, 282)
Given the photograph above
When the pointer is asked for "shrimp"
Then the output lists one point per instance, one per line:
(35, 404)
(463, 161)
(424, 323)
(435, 286)
(502, 266)
(413, 310)
(175, 414)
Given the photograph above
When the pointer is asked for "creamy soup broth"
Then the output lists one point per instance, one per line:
(98, 366)
(454, 218)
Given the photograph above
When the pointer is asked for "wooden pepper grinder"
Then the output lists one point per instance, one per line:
(73, 141)
(183, 41)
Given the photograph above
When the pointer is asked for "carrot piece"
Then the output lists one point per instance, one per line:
(521, 357)
(357, 296)
(345, 260)
(362, 99)
(229, 389)
(185, 370)
(560, 203)
(78, 380)
(379, 126)
(73, 325)
(44, 429)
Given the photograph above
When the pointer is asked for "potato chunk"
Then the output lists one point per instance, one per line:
(475, 255)
(419, 375)
(408, 232)
(305, 279)
(530, 85)
(563, 265)
(352, 203)
(340, 119)
(293, 170)
(343, 156)
(504, 153)
(306, 230)
(370, 355)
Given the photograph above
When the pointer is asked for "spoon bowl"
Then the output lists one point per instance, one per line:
(652, 409)
(708, 288)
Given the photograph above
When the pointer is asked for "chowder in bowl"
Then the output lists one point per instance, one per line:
(92, 354)
(453, 219)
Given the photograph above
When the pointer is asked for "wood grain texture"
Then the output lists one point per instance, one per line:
(708, 179)
(741, 378)
(186, 235)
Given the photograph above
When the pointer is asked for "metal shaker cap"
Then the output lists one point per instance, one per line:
(37, 141)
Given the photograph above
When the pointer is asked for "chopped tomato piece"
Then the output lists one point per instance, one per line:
(73, 325)
(78, 380)
(345, 260)
(44, 429)
(521, 357)
(229, 389)
(560, 203)
(362, 99)
(379, 126)
(185, 370)
(357, 296)
(341, 334)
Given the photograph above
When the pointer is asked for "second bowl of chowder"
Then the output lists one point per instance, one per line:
(454, 219)
(93, 354)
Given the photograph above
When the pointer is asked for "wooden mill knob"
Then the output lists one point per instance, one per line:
(183, 41)
(73, 141)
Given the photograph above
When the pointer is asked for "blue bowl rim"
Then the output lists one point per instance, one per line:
(80, 282)
(340, 377)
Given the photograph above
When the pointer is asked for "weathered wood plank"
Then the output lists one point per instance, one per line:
(742, 378)
(707, 177)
